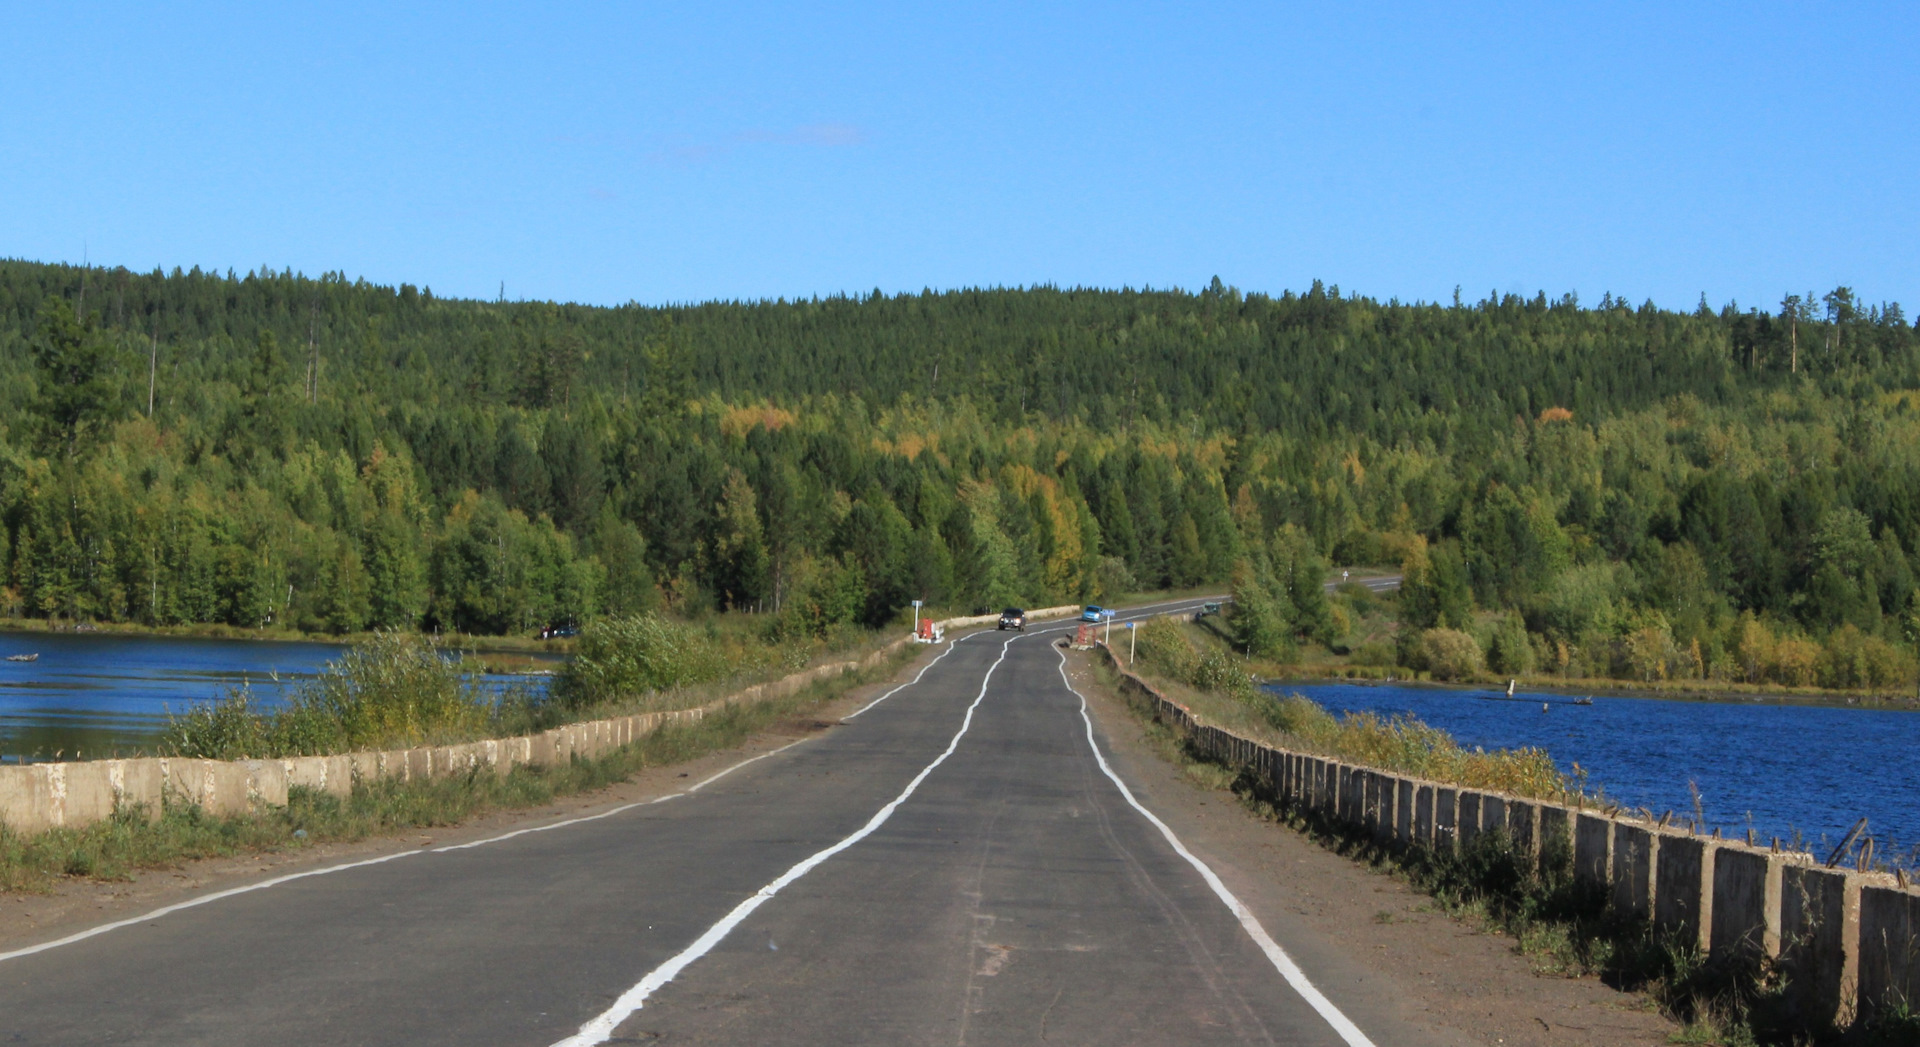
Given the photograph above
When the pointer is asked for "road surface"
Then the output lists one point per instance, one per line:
(1382, 583)
(955, 864)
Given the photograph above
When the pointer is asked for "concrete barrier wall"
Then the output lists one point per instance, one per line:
(1849, 941)
(42, 796)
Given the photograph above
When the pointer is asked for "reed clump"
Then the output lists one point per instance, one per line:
(391, 690)
(1408, 745)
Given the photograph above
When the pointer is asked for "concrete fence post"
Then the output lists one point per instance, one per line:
(1683, 887)
(1820, 942)
(1889, 952)
(1446, 814)
(336, 775)
(266, 783)
(1554, 839)
(306, 772)
(1423, 813)
(1746, 903)
(1523, 826)
(1386, 816)
(1592, 850)
(1467, 822)
(1635, 857)
(1403, 812)
(1493, 812)
(90, 791)
(26, 800)
(142, 785)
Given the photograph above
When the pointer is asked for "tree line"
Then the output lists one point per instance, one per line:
(1607, 489)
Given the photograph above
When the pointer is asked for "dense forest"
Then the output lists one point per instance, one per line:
(1603, 490)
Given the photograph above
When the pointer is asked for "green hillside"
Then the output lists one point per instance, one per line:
(1604, 490)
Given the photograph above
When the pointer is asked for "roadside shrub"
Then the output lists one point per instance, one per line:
(391, 690)
(626, 657)
(227, 729)
(1164, 645)
(1450, 654)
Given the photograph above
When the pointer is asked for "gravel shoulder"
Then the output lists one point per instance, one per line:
(1467, 985)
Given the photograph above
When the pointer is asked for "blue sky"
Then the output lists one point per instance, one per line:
(660, 152)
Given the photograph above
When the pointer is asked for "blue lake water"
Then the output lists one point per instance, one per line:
(101, 693)
(1779, 768)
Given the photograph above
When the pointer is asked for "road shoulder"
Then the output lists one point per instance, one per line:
(75, 904)
(1372, 939)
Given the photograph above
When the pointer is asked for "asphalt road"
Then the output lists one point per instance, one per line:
(1384, 583)
(955, 864)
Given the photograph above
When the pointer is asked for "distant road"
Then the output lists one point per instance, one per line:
(1383, 583)
(958, 863)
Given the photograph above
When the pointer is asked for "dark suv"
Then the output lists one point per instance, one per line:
(1013, 618)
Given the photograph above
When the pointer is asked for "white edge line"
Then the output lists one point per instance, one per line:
(909, 683)
(1251, 924)
(206, 899)
(1060, 627)
(599, 1029)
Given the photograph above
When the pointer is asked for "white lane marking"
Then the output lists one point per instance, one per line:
(600, 1028)
(1251, 924)
(909, 683)
(206, 899)
(1036, 632)
(688, 791)
(167, 910)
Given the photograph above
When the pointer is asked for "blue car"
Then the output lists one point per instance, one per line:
(1091, 614)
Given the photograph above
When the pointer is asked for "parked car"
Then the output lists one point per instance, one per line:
(1093, 613)
(1013, 618)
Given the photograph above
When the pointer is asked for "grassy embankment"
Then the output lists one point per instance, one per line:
(1561, 927)
(396, 691)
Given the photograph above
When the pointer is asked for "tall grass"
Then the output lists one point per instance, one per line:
(391, 690)
(1168, 648)
(1406, 744)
